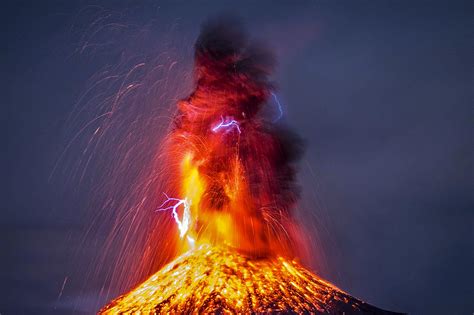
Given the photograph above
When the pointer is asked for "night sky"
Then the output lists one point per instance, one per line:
(379, 90)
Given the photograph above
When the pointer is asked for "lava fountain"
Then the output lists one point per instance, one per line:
(231, 190)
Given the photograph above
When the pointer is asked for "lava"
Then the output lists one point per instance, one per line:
(219, 280)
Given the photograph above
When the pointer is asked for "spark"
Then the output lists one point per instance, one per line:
(280, 108)
(183, 224)
(62, 290)
(227, 123)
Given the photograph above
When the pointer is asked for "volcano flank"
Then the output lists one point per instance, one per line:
(219, 280)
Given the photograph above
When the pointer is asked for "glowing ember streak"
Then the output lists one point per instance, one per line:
(183, 225)
(227, 123)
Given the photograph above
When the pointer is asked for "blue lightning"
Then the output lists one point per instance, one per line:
(227, 123)
(280, 108)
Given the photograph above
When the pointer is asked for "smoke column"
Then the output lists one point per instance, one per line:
(233, 164)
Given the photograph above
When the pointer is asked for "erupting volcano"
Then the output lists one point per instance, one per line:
(231, 192)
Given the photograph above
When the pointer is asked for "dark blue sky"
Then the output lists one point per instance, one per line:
(380, 91)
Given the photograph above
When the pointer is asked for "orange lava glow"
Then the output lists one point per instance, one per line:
(233, 223)
(218, 280)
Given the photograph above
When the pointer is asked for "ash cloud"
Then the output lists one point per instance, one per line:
(233, 81)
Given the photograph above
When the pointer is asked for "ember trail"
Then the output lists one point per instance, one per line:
(231, 192)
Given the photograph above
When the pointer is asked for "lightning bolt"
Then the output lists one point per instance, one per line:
(227, 123)
(280, 108)
(173, 204)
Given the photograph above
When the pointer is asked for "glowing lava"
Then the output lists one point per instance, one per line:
(218, 280)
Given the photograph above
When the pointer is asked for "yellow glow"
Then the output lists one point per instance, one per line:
(193, 186)
(219, 280)
(210, 226)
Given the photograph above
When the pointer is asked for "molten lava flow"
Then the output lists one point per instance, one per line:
(218, 280)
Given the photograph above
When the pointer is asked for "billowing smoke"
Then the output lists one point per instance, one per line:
(246, 187)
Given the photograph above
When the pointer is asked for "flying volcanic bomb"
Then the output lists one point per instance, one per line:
(231, 192)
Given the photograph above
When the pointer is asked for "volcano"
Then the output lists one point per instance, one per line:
(229, 170)
(219, 280)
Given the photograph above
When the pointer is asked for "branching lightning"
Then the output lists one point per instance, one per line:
(183, 224)
(227, 123)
